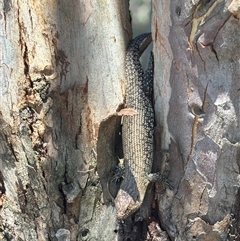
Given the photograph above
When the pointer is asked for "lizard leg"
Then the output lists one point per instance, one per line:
(119, 172)
(154, 177)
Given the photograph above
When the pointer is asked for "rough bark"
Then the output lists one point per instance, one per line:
(62, 81)
(197, 54)
(62, 72)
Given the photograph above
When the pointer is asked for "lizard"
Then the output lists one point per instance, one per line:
(137, 131)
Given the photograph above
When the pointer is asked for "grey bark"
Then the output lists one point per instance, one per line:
(61, 83)
(61, 76)
(197, 54)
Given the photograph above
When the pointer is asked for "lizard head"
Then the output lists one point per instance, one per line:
(125, 205)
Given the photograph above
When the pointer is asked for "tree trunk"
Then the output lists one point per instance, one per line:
(62, 82)
(62, 71)
(197, 110)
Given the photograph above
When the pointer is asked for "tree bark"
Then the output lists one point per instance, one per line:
(62, 82)
(197, 111)
(62, 73)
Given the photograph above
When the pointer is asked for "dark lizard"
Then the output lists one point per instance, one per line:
(137, 131)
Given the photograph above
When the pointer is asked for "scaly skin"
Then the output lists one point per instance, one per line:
(137, 132)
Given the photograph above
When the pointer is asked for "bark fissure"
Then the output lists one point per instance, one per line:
(200, 55)
(197, 20)
(215, 36)
(2, 190)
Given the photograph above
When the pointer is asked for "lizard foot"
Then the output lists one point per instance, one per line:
(118, 175)
(154, 177)
(119, 172)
